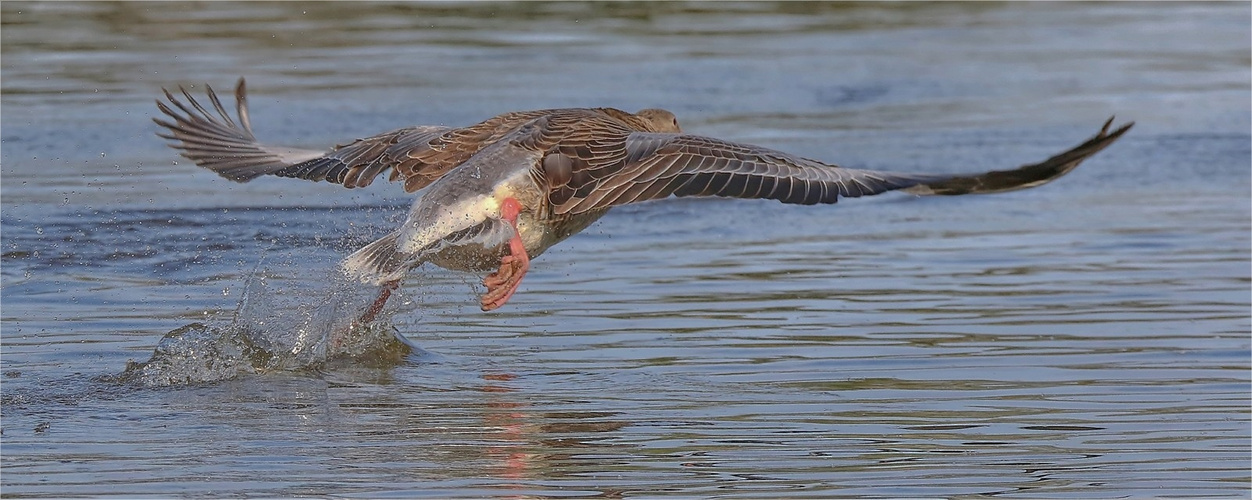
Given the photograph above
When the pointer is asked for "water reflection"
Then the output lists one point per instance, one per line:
(529, 445)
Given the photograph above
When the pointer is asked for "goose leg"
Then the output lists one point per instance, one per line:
(372, 311)
(501, 284)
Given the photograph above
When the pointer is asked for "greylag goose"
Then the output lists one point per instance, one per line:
(502, 191)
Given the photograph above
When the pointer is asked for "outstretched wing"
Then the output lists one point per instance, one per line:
(418, 155)
(218, 143)
(660, 165)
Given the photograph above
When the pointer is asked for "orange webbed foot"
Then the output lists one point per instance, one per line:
(504, 282)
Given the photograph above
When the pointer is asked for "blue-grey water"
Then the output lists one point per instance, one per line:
(1087, 339)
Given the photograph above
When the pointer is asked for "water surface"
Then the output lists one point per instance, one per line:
(1088, 339)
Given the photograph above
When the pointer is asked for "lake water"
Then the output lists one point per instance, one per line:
(1087, 339)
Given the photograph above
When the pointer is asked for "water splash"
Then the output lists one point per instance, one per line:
(268, 335)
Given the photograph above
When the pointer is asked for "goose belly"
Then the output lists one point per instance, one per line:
(538, 235)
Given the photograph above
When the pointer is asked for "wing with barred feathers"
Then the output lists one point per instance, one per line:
(417, 155)
(218, 143)
(213, 140)
(651, 165)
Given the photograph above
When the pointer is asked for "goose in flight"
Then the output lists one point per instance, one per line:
(502, 191)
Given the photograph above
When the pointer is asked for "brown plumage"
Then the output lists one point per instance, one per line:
(548, 174)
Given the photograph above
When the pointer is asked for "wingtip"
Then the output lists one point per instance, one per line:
(1104, 131)
(1122, 129)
